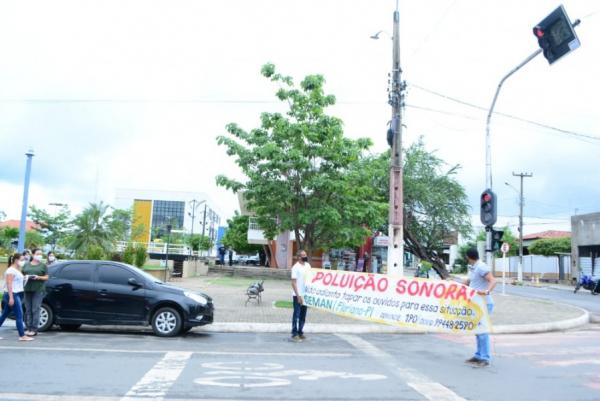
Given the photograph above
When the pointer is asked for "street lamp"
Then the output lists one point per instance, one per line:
(195, 205)
(169, 227)
(22, 224)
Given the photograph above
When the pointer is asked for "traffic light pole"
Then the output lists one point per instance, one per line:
(396, 100)
(488, 149)
(521, 201)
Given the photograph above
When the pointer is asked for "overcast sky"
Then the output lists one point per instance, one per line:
(132, 94)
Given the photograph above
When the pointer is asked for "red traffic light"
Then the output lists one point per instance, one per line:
(538, 32)
(486, 197)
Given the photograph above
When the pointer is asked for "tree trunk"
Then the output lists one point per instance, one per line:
(415, 247)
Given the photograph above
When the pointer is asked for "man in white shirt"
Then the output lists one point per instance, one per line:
(481, 280)
(298, 291)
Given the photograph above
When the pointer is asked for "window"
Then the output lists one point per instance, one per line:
(111, 274)
(77, 272)
(164, 213)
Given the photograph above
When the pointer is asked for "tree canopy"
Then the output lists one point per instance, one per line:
(302, 173)
(53, 227)
(550, 246)
(236, 236)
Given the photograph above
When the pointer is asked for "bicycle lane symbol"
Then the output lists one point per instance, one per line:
(250, 375)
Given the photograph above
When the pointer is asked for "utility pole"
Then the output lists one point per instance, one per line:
(22, 224)
(396, 100)
(521, 201)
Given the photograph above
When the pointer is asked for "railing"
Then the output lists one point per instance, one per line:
(160, 247)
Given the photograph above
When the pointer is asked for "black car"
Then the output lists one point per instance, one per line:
(111, 293)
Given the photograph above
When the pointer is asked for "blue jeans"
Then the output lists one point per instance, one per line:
(298, 317)
(483, 342)
(17, 308)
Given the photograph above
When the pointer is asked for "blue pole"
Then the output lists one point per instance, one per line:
(22, 227)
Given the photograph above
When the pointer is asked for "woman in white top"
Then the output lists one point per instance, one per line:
(12, 300)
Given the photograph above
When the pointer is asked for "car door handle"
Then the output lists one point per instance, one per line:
(103, 292)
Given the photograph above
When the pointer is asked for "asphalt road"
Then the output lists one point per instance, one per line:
(584, 299)
(102, 365)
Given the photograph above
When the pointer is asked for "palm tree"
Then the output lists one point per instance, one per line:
(92, 231)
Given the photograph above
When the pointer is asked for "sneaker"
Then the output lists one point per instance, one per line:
(472, 360)
(296, 339)
(30, 333)
(26, 338)
(302, 337)
(482, 364)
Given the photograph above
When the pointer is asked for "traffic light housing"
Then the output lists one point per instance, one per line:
(488, 208)
(390, 137)
(556, 35)
(497, 239)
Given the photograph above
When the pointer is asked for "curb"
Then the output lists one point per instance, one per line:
(240, 327)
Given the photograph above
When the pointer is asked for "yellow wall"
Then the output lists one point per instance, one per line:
(142, 213)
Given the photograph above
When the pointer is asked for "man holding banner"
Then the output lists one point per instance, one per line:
(481, 280)
(299, 271)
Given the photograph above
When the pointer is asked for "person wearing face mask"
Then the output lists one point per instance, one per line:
(35, 290)
(298, 291)
(13, 294)
(50, 258)
(26, 255)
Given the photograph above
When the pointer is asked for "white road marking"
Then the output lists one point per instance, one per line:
(244, 381)
(224, 353)
(52, 397)
(431, 390)
(157, 381)
(570, 362)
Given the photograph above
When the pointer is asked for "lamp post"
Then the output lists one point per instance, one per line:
(169, 227)
(22, 224)
(195, 205)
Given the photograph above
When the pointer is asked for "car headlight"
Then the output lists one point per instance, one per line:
(196, 297)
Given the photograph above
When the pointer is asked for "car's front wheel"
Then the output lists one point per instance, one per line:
(46, 318)
(166, 322)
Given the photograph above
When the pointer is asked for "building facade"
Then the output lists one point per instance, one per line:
(585, 245)
(155, 210)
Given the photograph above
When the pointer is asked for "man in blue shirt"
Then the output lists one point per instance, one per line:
(481, 280)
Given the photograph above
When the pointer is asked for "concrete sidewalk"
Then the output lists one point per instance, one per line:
(512, 314)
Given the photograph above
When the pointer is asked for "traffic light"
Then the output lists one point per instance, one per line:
(556, 35)
(497, 239)
(488, 208)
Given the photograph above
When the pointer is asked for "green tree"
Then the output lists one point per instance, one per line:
(236, 236)
(302, 173)
(7, 235)
(53, 227)
(550, 246)
(435, 204)
(92, 231)
(120, 224)
(34, 239)
(199, 242)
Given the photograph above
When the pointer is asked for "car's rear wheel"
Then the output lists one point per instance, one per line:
(166, 322)
(70, 327)
(46, 318)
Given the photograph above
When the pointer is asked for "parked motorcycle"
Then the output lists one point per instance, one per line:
(588, 284)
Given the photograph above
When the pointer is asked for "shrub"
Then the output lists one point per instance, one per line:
(116, 257)
(129, 254)
(141, 255)
(94, 252)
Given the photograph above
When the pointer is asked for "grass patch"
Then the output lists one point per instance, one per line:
(284, 304)
(150, 267)
(233, 281)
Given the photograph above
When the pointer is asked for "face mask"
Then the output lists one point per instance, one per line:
(38, 258)
(27, 258)
(51, 258)
(305, 258)
(21, 263)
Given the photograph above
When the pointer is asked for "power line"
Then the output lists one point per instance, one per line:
(513, 117)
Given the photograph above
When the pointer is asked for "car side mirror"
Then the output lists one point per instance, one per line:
(134, 283)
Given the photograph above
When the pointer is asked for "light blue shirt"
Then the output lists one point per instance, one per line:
(477, 274)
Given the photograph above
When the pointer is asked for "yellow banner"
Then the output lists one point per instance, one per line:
(431, 305)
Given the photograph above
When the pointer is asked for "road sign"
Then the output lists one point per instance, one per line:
(505, 247)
